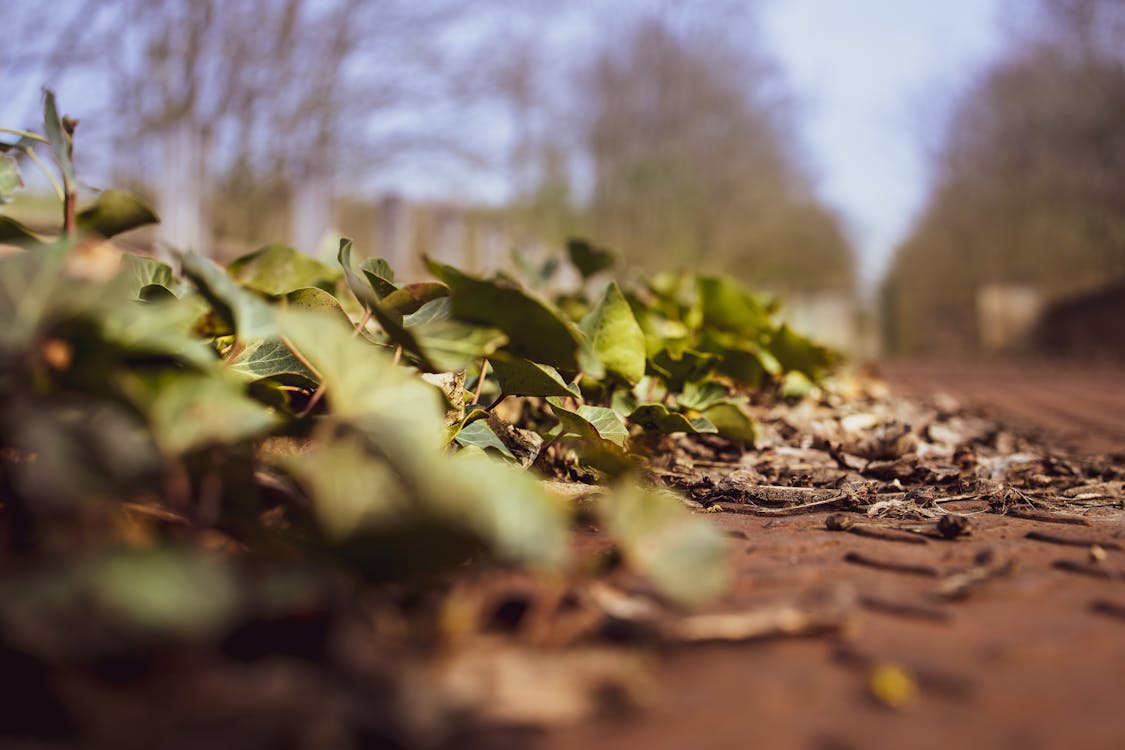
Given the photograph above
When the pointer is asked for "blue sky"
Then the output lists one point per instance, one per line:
(873, 80)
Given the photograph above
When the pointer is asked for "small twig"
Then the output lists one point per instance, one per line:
(301, 358)
(1072, 541)
(756, 510)
(318, 394)
(831, 611)
(1032, 515)
(959, 585)
(480, 381)
(892, 566)
(398, 354)
(43, 168)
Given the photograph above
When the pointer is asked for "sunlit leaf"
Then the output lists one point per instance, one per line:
(268, 358)
(114, 212)
(453, 345)
(590, 421)
(701, 396)
(615, 336)
(478, 433)
(278, 269)
(519, 377)
(684, 556)
(536, 331)
(317, 300)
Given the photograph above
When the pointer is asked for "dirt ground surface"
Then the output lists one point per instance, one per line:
(1073, 404)
(1033, 658)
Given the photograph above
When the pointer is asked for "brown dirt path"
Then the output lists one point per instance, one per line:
(1030, 660)
(1078, 405)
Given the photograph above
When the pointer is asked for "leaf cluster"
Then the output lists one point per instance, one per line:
(334, 415)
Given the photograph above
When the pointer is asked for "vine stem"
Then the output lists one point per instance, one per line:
(318, 394)
(362, 322)
(25, 134)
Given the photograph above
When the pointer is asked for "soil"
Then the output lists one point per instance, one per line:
(1032, 659)
(862, 614)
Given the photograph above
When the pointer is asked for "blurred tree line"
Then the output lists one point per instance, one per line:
(658, 128)
(1029, 181)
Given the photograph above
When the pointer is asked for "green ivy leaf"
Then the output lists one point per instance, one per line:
(268, 358)
(744, 361)
(590, 422)
(657, 417)
(615, 336)
(519, 377)
(728, 306)
(351, 489)
(318, 300)
(10, 178)
(587, 258)
(60, 141)
(161, 328)
(534, 328)
(166, 590)
(277, 269)
(682, 367)
(702, 396)
(478, 433)
(453, 345)
(411, 297)
(798, 353)
(380, 275)
(685, 557)
(188, 410)
(732, 423)
(249, 316)
(139, 272)
(389, 320)
(114, 212)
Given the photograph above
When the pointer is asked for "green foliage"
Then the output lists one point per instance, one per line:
(200, 379)
(114, 212)
(278, 269)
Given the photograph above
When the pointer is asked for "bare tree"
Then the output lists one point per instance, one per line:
(1030, 186)
(694, 159)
